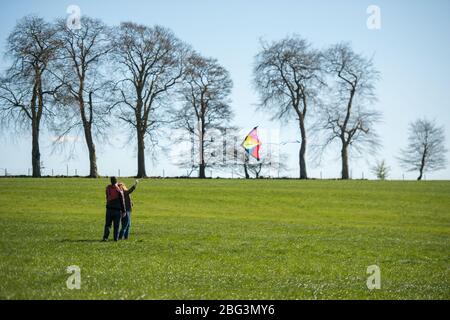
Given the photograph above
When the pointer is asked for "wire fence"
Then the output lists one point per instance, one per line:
(74, 172)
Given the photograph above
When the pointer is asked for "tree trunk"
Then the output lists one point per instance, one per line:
(35, 124)
(141, 155)
(201, 171)
(35, 153)
(344, 156)
(87, 124)
(422, 164)
(302, 152)
(344, 150)
(247, 176)
(202, 165)
(92, 156)
(258, 171)
(302, 162)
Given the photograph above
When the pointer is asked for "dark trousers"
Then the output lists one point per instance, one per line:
(126, 224)
(112, 217)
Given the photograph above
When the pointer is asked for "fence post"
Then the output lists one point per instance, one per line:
(52, 172)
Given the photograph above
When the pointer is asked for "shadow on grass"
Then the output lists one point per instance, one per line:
(80, 240)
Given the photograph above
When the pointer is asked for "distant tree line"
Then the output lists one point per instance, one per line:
(85, 80)
(336, 88)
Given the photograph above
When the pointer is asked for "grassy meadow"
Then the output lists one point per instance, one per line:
(227, 239)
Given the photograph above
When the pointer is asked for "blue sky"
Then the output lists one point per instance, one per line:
(411, 50)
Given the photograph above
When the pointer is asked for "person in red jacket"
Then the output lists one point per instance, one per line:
(115, 209)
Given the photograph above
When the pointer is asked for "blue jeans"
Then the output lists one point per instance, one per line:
(126, 224)
(112, 217)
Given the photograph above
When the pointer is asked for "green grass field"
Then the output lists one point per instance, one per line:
(227, 239)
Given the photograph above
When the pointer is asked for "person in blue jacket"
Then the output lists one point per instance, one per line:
(126, 218)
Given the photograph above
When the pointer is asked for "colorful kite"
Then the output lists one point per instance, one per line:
(251, 143)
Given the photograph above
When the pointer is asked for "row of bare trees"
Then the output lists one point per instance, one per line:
(334, 90)
(333, 87)
(82, 81)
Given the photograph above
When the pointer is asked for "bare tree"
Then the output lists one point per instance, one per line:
(186, 153)
(25, 87)
(287, 76)
(266, 166)
(426, 149)
(205, 95)
(80, 70)
(235, 157)
(151, 63)
(381, 169)
(346, 116)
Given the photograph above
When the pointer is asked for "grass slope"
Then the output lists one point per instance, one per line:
(231, 239)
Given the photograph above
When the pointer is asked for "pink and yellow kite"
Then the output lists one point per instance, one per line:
(252, 144)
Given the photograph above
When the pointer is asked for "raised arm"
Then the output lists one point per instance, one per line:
(133, 187)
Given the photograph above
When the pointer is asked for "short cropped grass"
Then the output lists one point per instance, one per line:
(227, 239)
